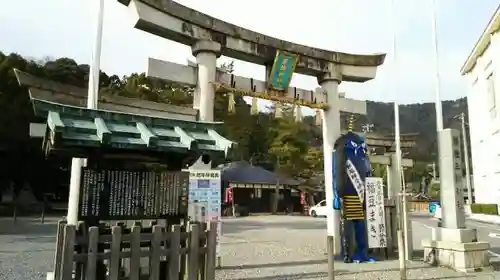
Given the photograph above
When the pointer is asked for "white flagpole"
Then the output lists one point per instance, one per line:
(437, 78)
(95, 67)
(93, 90)
(397, 140)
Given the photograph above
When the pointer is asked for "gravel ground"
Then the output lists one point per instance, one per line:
(26, 248)
(253, 248)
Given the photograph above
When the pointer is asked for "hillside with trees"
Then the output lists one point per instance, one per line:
(294, 148)
(416, 118)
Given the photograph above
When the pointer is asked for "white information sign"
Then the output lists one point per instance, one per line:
(205, 198)
(375, 213)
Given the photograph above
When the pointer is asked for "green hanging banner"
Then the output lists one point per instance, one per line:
(282, 71)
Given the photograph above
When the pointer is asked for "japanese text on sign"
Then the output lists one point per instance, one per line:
(356, 180)
(282, 70)
(457, 158)
(375, 213)
(194, 174)
(205, 198)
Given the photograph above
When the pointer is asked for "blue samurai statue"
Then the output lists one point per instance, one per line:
(351, 167)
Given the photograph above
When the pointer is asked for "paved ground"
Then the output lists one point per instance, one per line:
(486, 232)
(253, 248)
(281, 247)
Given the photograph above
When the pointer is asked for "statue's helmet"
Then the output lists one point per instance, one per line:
(356, 142)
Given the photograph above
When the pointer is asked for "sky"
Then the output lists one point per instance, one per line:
(66, 28)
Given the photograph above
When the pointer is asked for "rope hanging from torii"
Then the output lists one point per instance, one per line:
(277, 91)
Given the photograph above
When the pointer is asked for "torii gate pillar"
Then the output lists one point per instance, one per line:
(331, 132)
(206, 53)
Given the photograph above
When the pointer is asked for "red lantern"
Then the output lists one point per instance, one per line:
(228, 195)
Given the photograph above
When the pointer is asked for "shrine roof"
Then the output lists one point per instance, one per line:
(143, 128)
(69, 126)
(242, 172)
(51, 91)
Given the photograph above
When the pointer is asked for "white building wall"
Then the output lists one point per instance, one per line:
(484, 121)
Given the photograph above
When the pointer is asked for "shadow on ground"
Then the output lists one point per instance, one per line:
(311, 275)
(28, 227)
(495, 265)
(267, 265)
(231, 226)
(337, 273)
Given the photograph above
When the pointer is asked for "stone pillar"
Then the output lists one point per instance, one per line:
(454, 245)
(450, 174)
(206, 53)
(408, 230)
(331, 132)
(393, 186)
(388, 181)
(394, 191)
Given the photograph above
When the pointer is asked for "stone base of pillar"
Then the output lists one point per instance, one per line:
(408, 235)
(467, 210)
(460, 251)
(457, 235)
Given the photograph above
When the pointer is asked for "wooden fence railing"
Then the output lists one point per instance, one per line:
(119, 252)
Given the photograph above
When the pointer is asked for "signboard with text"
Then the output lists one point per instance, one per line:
(457, 159)
(375, 213)
(205, 198)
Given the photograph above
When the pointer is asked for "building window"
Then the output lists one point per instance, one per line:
(258, 193)
(490, 83)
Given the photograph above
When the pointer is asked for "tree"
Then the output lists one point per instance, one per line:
(435, 190)
(313, 163)
(289, 143)
(380, 171)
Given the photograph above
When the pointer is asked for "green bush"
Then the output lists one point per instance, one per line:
(434, 188)
(489, 209)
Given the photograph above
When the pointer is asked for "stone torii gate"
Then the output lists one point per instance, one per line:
(210, 37)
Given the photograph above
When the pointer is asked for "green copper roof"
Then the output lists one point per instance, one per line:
(69, 126)
(120, 126)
